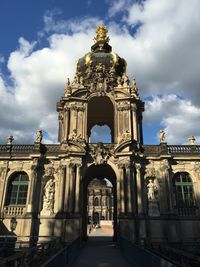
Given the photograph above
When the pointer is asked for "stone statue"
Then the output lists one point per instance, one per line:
(125, 80)
(48, 198)
(39, 136)
(68, 88)
(162, 135)
(192, 140)
(152, 189)
(119, 81)
(10, 140)
(134, 88)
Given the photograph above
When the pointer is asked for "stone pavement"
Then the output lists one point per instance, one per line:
(100, 251)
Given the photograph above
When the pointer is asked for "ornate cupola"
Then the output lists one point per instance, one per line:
(101, 68)
(100, 94)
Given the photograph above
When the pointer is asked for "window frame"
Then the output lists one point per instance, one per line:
(17, 191)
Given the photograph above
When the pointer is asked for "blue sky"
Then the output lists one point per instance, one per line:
(41, 41)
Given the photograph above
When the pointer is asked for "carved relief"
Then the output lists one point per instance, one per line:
(76, 137)
(123, 105)
(150, 170)
(126, 136)
(100, 154)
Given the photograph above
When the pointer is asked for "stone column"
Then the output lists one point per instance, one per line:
(135, 126)
(3, 171)
(66, 126)
(67, 192)
(71, 187)
(32, 188)
(77, 193)
(61, 175)
(140, 129)
(122, 200)
(128, 189)
(139, 188)
(61, 128)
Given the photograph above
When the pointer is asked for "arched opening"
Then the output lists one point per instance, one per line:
(99, 200)
(100, 134)
(17, 189)
(100, 112)
(184, 197)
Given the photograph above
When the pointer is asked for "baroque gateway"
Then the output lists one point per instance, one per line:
(156, 188)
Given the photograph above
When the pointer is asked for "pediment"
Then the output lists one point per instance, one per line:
(73, 147)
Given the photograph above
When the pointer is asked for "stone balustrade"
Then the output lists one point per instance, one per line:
(14, 210)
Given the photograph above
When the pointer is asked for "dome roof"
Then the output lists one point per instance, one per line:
(101, 65)
(97, 182)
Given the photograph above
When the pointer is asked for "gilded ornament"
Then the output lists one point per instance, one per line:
(101, 34)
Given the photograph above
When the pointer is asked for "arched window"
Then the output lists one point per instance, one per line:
(96, 201)
(17, 189)
(184, 193)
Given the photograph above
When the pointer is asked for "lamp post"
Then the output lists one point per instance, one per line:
(13, 224)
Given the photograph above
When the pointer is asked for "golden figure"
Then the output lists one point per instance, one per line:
(101, 34)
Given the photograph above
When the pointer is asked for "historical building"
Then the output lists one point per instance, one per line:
(156, 188)
(100, 200)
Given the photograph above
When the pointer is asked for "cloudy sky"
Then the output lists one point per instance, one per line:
(41, 41)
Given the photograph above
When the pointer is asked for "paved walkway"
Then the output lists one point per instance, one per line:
(100, 251)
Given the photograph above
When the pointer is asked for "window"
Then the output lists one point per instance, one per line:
(184, 193)
(17, 189)
(96, 201)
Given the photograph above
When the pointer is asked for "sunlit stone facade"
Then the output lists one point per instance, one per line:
(155, 188)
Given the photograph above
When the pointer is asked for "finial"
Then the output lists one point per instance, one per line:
(192, 140)
(68, 88)
(39, 137)
(101, 34)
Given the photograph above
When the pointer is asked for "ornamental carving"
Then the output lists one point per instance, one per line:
(77, 106)
(126, 136)
(2, 172)
(150, 170)
(100, 154)
(76, 137)
(49, 171)
(164, 167)
(123, 105)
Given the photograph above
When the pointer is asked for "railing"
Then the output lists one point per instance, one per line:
(139, 256)
(186, 211)
(53, 148)
(33, 256)
(14, 210)
(17, 148)
(183, 149)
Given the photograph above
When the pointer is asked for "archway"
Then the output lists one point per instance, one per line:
(98, 172)
(100, 112)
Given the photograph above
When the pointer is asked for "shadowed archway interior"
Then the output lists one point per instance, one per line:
(100, 172)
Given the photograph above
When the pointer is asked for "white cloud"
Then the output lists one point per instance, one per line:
(178, 117)
(163, 55)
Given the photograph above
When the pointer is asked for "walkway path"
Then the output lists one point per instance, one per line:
(100, 251)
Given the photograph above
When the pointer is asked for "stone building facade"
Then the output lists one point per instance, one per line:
(156, 188)
(100, 200)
